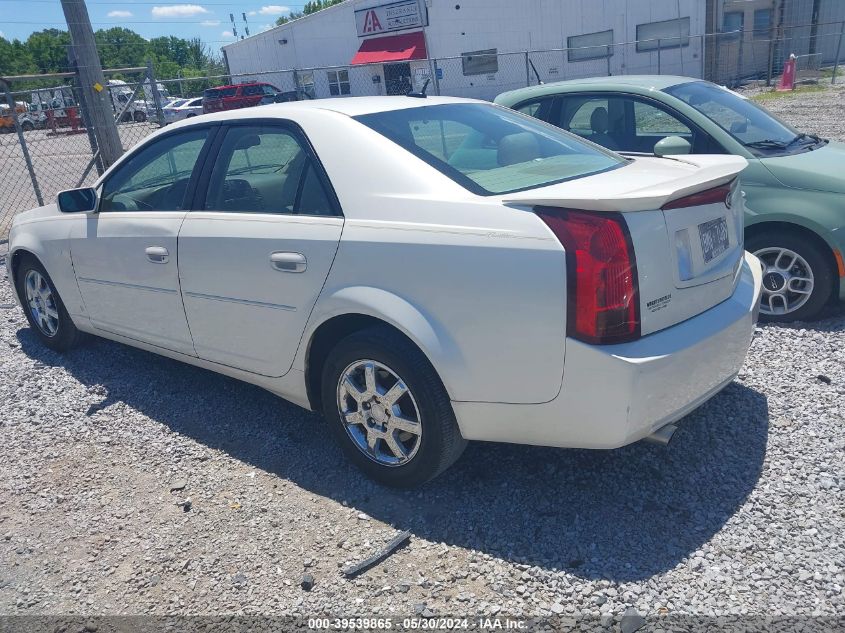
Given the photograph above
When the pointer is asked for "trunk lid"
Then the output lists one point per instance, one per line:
(685, 224)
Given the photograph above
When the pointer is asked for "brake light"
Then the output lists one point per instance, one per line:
(603, 304)
(711, 196)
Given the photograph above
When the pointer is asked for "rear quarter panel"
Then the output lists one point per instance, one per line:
(486, 304)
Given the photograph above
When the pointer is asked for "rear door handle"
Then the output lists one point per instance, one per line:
(157, 254)
(288, 262)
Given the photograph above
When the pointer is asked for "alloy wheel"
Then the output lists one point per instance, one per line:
(42, 303)
(788, 281)
(379, 413)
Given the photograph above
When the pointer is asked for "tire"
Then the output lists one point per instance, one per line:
(427, 454)
(65, 336)
(139, 116)
(190, 115)
(27, 126)
(799, 307)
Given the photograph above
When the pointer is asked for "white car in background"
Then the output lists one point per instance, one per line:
(423, 271)
(182, 109)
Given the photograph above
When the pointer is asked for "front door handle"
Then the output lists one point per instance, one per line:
(288, 262)
(157, 254)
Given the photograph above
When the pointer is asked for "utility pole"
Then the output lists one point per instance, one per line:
(92, 80)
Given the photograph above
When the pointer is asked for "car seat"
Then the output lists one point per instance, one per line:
(599, 124)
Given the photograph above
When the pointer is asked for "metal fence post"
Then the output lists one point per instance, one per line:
(838, 52)
(156, 96)
(527, 71)
(659, 57)
(436, 77)
(300, 93)
(11, 101)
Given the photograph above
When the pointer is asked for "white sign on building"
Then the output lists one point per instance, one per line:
(394, 16)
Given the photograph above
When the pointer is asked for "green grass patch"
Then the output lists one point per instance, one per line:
(774, 94)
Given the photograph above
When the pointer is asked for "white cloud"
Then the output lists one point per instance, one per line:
(227, 34)
(210, 23)
(120, 14)
(178, 11)
(2, 34)
(252, 12)
(273, 9)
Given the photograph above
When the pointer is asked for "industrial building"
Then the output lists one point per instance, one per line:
(478, 48)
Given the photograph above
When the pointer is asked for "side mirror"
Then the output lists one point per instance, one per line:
(672, 146)
(78, 200)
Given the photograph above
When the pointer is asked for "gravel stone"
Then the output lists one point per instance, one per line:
(742, 513)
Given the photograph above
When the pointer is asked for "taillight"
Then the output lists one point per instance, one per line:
(711, 196)
(603, 292)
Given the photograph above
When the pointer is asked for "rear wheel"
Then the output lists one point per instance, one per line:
(139, 116)
(27, 126)
(44, 308)
(797, 278)
(388, 409)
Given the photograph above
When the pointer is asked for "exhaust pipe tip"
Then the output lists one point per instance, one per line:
(663, 435)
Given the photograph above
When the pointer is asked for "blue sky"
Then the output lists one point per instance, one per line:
(184, 18)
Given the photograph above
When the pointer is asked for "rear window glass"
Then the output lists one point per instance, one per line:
(491, 150)
(219, 93)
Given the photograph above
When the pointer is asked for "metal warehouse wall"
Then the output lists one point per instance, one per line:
(329, 38)
(824, 38)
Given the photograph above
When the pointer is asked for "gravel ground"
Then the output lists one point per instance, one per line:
(742, 514)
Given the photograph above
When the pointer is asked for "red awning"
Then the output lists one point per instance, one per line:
(392, 48)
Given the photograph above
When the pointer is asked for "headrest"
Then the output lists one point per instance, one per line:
(599, 121)
(521, 147)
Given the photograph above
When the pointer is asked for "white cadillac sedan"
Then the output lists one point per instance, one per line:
(423, 271)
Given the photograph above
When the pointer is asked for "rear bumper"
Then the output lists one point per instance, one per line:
(617, 394)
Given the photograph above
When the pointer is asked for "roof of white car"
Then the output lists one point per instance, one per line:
(350, 106)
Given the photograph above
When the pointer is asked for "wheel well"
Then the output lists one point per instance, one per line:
(796, 229)
(17, 257)
(324, 340)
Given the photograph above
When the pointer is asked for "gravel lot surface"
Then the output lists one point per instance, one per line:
(744, 513)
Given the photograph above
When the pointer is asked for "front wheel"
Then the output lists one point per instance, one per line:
(797, 278)
(388, 409)
(44, 309)
(139, 116)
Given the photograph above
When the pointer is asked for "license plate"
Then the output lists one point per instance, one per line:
(714, 238)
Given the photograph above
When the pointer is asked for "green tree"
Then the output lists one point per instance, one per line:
(49, 49)
(120, 47)
(15, 58)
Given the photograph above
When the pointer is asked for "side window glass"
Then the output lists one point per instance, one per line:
(656, 123)
(260, 169)
(313, 199)
(155, 178)
(538, 109)
(599, 120)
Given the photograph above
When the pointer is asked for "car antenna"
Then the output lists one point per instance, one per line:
(536, 74)
(421, 94)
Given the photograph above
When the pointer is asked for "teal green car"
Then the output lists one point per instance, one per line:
(794, 184)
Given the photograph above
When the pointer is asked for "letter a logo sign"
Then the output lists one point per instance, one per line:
(371, 23)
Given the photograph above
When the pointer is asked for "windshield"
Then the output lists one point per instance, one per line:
(491, 150)
(750, 124)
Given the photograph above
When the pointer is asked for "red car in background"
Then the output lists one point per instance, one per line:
(238, 96)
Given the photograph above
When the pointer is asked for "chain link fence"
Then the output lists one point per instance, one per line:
(47, 144)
